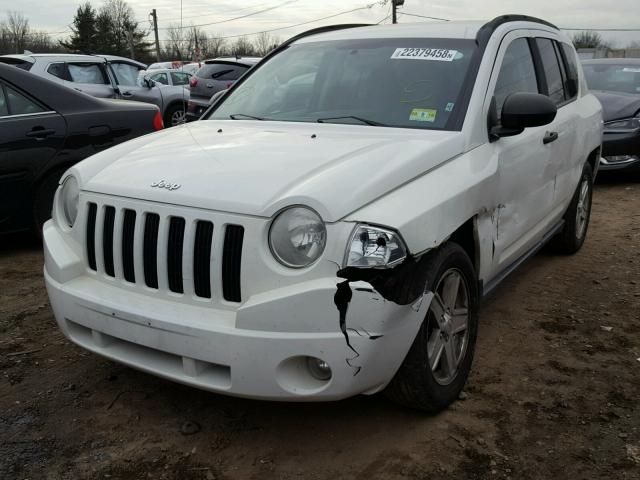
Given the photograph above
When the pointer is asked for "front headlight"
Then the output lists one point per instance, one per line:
(69, 198)
(297, 237)
(375, 247)
(623, 126)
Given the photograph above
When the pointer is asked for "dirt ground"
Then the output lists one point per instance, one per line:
(554, 392)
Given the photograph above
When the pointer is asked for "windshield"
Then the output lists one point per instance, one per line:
(407, 83)
(613, 78)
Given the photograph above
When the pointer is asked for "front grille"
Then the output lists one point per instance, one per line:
(176, 254)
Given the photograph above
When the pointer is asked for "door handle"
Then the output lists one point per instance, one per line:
(127, 94)
(550, 137)
(209, 85)
(39, 133)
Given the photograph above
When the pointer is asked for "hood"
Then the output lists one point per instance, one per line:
(257, 168)
(616, 106)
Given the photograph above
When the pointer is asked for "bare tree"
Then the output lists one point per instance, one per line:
(264, 43)
(215, 47)
(589, 39)
(242, 46)
(175, 47)
(18, 30)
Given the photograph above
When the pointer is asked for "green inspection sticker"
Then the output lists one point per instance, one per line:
(423, 115)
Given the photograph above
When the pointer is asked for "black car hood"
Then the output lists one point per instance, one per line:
(617, 105)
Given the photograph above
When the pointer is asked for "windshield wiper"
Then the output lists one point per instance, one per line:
(240, 116)
(359, 119)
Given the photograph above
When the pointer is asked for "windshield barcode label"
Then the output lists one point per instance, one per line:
(438, 54)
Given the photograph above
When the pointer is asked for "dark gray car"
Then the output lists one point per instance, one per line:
(214, 76)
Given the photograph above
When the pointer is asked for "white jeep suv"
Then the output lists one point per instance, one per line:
(330, 226)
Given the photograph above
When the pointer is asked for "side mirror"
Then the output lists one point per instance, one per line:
(523, 110)
(148, 82)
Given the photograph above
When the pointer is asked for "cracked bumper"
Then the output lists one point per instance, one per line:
(209, 348)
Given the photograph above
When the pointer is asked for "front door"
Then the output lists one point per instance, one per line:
(525, 168)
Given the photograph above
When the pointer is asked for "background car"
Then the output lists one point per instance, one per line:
(105, 76)
(215, 75)
(45, 128)
(169, 76)
(616, 83)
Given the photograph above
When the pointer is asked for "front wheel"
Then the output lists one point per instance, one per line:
(576, 218)
(438, 363)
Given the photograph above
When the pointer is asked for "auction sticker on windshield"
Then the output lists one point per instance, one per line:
(439, 54)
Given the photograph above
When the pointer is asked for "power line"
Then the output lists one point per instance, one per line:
(423, 16)
(365, 7)
(234, 18)
(233, 12)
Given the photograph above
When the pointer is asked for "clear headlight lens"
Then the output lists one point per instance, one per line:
(69, 198)
(297, 237)
(375, 247)
(628, 124)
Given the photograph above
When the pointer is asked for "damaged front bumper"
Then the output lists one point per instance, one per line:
(222, 350)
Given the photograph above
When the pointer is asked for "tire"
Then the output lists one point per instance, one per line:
(173, 112)
(43, 199)
(419, 384)
(576, 218)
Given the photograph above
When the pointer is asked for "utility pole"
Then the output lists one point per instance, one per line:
(154, 15)
(395, 4)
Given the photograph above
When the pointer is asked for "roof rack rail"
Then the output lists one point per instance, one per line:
(488, 28)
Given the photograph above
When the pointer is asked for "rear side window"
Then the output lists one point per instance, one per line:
(517, 73)
(571, 83)
(179, 78)
(552, 73)
(58, 70)
(19, 104)
(221, 71)
(87, 73)
(160, 78)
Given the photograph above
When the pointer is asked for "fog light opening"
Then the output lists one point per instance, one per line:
(319, 369)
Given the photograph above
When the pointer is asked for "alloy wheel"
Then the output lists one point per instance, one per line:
(448, 326)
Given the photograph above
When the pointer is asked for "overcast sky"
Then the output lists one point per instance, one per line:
(55, 15)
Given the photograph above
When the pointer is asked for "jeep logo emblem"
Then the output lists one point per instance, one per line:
(167, 185)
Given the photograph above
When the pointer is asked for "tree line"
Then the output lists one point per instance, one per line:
(112, 29)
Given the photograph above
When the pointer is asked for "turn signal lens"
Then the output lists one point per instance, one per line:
(158, 124)
(375, 247)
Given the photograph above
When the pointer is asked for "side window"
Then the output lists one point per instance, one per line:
(87, 73)
(160, 78)
(4, 110)
(125, 74)
(58, 70)
(551, 70)
(179, 78)
(517, 73)
(571, 63)
(19, 104)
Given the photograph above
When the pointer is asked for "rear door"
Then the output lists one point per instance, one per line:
(30, 136)
(90, 78)
(561, 133)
